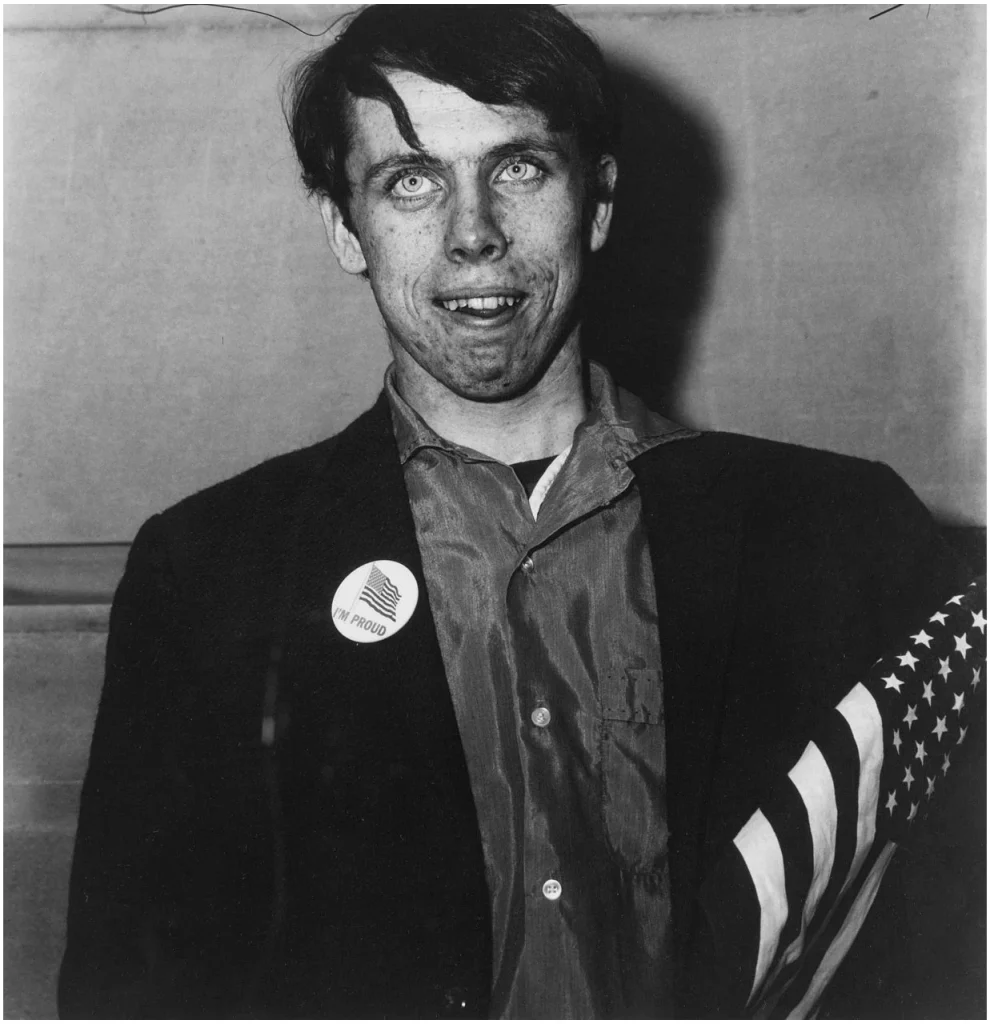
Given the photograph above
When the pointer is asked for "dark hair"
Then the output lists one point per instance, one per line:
(527, 55)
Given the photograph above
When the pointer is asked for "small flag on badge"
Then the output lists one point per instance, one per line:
(381, 593)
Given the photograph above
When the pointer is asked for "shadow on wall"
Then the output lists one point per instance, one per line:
(652, 280)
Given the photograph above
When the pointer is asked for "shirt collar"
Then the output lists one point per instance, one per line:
(617, 420)
(620, 421)
(412, 432)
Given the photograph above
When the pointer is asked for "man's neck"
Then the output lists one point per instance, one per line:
(535, 425)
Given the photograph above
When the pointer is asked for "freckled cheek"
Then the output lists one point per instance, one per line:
(414, 266)
(396, 275)
(541, 283)
(551, 222)
(549, 254)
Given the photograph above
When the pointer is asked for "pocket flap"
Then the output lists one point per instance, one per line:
(633, 695)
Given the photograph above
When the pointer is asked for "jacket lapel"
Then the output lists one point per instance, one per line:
(373, 762)
(693, 516)
(352, 515)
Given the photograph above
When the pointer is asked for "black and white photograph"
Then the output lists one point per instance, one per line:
(495, 511)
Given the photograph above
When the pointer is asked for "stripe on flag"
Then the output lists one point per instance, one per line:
(813, 782)
(787, 815)
(860, 710)
(840, 756)
(844, 937)
(761, 853)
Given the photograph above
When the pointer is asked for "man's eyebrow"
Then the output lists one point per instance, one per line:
(395, 162)
(421, 158)
(528, 144)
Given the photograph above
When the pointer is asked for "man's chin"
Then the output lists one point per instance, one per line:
(493, 384)
(498, 389)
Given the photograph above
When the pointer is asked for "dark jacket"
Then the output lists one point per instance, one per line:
(339, 872)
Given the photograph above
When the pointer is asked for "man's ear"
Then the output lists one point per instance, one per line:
(343, 241)
(607, 174)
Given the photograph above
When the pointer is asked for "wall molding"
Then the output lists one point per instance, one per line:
(62, 574)
(88, 574)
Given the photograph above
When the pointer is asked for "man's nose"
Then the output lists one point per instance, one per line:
(473, 230)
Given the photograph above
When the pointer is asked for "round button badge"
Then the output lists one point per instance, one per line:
(374, 601)
(552, 889)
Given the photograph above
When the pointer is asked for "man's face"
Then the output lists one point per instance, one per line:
(474, 247)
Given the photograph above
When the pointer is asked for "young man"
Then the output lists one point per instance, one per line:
(451, 714)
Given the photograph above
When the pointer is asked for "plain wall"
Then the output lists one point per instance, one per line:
(803, 258)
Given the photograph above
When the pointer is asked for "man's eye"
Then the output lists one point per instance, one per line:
(519, 170)
(413, 186)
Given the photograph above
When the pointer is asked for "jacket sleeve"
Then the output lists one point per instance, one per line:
(921, 951)
(130, 801)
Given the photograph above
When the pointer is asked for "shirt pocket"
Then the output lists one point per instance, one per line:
(634, 768)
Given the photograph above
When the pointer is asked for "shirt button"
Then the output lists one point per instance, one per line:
(527, 564)
(551, 889)
(541, 717)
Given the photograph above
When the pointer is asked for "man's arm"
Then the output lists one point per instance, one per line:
(791, 893)
(113, 964)
(842, 561)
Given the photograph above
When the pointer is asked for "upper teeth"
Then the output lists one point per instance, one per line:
(472, 302)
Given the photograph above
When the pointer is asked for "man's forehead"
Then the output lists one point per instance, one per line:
(443, 117)
(428, 98)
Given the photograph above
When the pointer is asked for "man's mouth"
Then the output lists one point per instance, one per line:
(483, 307)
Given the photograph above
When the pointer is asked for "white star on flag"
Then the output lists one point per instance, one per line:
(891, 802)
(961, 644)
(931, 787)
(979, 622)
(944, 669)
(907, 660)
(911, 717)
(960, 700)
(908, 779)
(919, 751)
(929, 694)
(922, 638)
(956, 600)
(913, 812)
(938, 617)
(893, 683)
(962, 734)
(940, 727)
(945, 765)
(976, 677)
(897, 740)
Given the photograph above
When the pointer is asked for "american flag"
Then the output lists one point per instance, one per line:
(790, 894)
(381, 593)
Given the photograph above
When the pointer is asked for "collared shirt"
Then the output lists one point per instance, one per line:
(547, 621)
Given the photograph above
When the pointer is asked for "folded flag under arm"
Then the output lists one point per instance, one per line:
(791, 892)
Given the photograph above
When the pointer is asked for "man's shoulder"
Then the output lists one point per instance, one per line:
(766, 451)
(261, 483)
(264, 493)
(788, 504)
(777, 470)
(792, 490)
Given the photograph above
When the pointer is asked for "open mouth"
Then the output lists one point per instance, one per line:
(483, 307)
